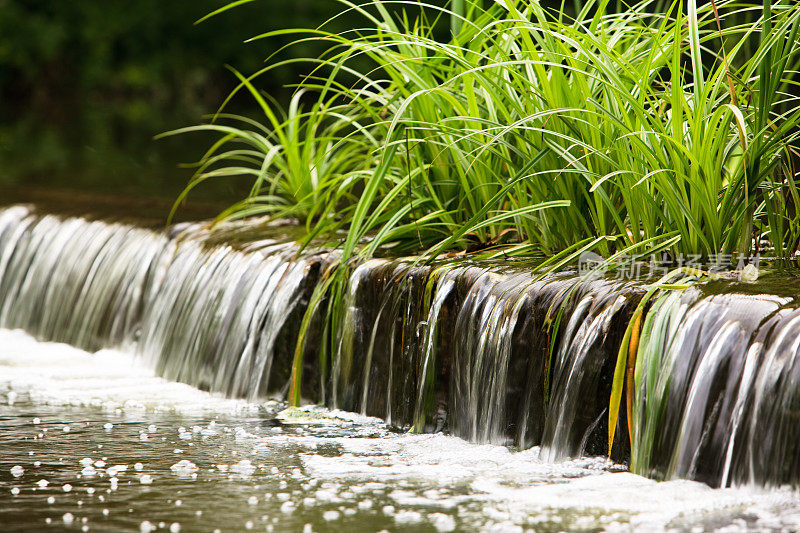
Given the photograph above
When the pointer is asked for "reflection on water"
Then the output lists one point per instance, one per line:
(104, 147)
(85, 85)
(97, 442)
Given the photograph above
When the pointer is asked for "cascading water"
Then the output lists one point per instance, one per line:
(210, 317)
(492, 353)
(479, 350)
(215, 316)
(73, 281)
(717, 389)
(581, 368)
(376, 366)
(481, 355)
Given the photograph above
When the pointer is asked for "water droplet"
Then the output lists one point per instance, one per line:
(17, 471)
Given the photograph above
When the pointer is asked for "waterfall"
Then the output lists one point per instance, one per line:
(717, 387)
(492, 352)
(473, 345)
(585, 358)
(74, 281)
(209, 316)
(376, 367)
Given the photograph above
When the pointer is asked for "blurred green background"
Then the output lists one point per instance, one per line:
(85, 84)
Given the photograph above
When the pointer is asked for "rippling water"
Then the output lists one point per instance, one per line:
(97, 442)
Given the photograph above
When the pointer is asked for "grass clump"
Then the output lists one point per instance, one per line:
(532, 128)
(660, 127)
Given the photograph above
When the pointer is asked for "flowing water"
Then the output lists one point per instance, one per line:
(189, 334)
(98, 442)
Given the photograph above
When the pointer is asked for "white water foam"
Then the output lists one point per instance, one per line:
(429, 478)
(521, 487)
(59, 374)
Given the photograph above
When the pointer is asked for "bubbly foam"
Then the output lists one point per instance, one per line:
(59, 374)
(326, 474)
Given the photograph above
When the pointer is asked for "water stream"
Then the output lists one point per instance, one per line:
(194, 336)
(98, 442)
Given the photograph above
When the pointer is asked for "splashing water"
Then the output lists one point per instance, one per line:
(216, 463)
(488, 352)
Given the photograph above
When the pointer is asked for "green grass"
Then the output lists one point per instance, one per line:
(531, 129)
(660, 127)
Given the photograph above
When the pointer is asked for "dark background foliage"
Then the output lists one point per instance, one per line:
(85, 84)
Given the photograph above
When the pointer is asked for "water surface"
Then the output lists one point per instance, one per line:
(97, 442)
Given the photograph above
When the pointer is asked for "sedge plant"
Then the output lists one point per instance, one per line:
(660, 126)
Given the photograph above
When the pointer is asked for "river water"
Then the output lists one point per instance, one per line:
(97, 442)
